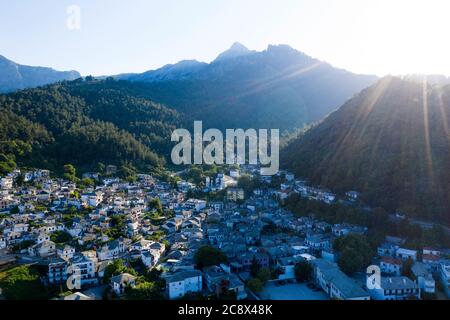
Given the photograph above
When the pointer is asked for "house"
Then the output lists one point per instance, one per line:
(352, 195)
(66, 252)
(42, 237)
(247, 258)
(217, 206)
(431, 257)
(92, 199)
(344, 229)
(235, 194)
(43, 249)
(43, 195)
(391, 266)
(195, 205)
(111, 170)
(122, 281)
(77, 296)
(147, 258)
(431, 251)
(335, 283)
(172, 225)
(424, 278)
(290, 176)
(387, 249)
(183, 282)
(82, 268)
(114, 249)
(237, 286)
(6, 183)
(2, 242)
(234, 173)
(57, 271)
(287, 267)
(444, 274)
(91, 175)
(141, 245)
(396, 288)
(406, 254)
(318, 241)
(100, 268)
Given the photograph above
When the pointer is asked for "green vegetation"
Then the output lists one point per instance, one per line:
(155, 204)
(22, 283)
(355, 253)
(379, 144)
(303, 271)
(334, 213)
(115, 268)
(22, 245)
(255, 285)
(145, 291)
(83, 122)
(60, 237)
(207, 256)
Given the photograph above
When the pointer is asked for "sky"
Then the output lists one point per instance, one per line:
(115, 36)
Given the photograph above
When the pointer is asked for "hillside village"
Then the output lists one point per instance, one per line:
(152, 239)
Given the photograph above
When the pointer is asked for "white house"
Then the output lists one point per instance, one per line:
(183, 282)
(67, 252)
(195, 205)
(6, 183)
(82, 268)
(391, 266)
(43, 249)
(2, 243)
(92, 199)
(424, 277)
(406, 254)
(120, 282)
(396, 288)
(42, 237)
(57, 271)
(147, 258)
(444, 273)
(336, 283)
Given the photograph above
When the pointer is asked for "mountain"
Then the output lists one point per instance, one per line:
(185, 69)
(391, 142)
(84, 122)
(277, 88)
(236, 50)
(14, 76)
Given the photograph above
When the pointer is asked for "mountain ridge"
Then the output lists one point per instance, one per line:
(14, 76)
(279, 87)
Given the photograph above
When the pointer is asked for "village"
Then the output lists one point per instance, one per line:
(155, 239)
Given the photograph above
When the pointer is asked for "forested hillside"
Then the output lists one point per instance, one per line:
(391, 142)
(84, 122)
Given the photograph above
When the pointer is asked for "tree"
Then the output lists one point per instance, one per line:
(117, 267)
(88, 182)
(254, 267)
(144, 291)
(101, 168)
(407, 268)
(155, 204)
(22, 283)
(60, 237)
(264, 275)
(255, 285)
(303, 271)
(207, 256)
(70, 173)
(355, 252)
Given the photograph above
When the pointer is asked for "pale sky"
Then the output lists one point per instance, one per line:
(117, 36)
